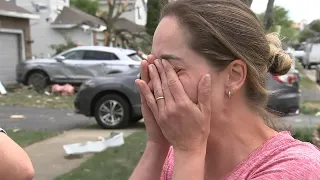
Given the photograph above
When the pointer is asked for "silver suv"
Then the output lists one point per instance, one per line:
(76, 65)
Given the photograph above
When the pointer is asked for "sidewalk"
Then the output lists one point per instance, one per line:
(48, 155)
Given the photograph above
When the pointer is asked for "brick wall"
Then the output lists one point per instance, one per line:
(18, 24)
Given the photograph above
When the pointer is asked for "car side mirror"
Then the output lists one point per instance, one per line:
(60, 58)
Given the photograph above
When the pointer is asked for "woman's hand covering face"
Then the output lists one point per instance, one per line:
(154, 133)
(184, 124)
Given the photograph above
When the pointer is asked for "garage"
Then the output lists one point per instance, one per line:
(9, 56)
(15, 39)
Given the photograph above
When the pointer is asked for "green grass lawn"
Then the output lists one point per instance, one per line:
(24, 96)
(112, 164)
(305, 81)
(310, 107)
(25, 138)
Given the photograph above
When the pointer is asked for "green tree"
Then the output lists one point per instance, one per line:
(282, 22)
(153, 16)
(88, 6)
(312, 30)
(315, 25)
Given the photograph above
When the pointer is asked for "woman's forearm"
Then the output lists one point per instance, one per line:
(15, 163)
(189, 165)
(151, 163)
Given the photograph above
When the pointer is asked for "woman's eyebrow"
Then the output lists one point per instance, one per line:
(170, 57)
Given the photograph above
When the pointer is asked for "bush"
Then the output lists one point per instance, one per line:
(303, 134)
(58, 48)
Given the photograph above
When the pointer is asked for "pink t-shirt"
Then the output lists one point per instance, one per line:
(280, 157)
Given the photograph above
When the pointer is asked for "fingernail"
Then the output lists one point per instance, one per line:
(207, 79)
(157, 62)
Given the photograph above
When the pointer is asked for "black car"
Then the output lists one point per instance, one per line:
(114, 100)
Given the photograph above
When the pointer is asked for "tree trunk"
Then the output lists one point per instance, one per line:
(268, 19)
(163, 2)
(247, 2)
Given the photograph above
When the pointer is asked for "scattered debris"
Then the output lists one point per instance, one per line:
(16, 130)
(47, 93)
(17, 117)
(114, 140)
(2, 89)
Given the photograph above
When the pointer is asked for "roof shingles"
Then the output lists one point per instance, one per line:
(11, 7)
(73, 16)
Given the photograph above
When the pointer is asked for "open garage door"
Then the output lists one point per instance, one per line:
(9, 57)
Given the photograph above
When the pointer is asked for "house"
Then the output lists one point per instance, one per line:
(79, 26)
(57, 24)
(136, 10)
(15, 40)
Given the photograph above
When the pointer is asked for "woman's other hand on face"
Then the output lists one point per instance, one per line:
(184, 124)
(154, 133)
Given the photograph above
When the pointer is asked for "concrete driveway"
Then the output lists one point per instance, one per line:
(42, 119)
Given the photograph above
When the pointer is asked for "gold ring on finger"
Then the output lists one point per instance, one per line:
(158, 98)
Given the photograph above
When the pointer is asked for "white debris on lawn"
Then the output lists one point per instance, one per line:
(16, 130)
(17, 117)
(2, 89)
(114, 140)
(317, 114)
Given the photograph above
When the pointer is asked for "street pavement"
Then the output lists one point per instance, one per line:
(65, 119)
(41, 119)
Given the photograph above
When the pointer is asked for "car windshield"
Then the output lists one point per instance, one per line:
(135, 57)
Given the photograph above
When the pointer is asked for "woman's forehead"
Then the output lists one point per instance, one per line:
(168, 38)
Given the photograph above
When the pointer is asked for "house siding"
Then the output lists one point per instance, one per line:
(78, 36)
(18, 24)
(44, 35)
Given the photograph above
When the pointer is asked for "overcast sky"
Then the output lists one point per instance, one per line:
(298, 9)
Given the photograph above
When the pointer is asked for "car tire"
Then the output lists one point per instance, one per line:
(38, 80)
(121, 103)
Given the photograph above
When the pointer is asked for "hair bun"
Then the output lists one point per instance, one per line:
(280, 62)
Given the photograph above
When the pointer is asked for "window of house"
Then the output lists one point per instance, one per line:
(139, 13)
(99, 55)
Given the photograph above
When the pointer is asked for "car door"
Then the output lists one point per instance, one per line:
(69, 67)
(97, 63)
(119, 63)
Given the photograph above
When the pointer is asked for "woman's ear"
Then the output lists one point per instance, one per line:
(237, 73)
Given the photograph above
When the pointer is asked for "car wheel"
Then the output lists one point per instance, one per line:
(112, 111)
(38, 80)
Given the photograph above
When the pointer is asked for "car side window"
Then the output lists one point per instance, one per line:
(74, 55)
(100, 55)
